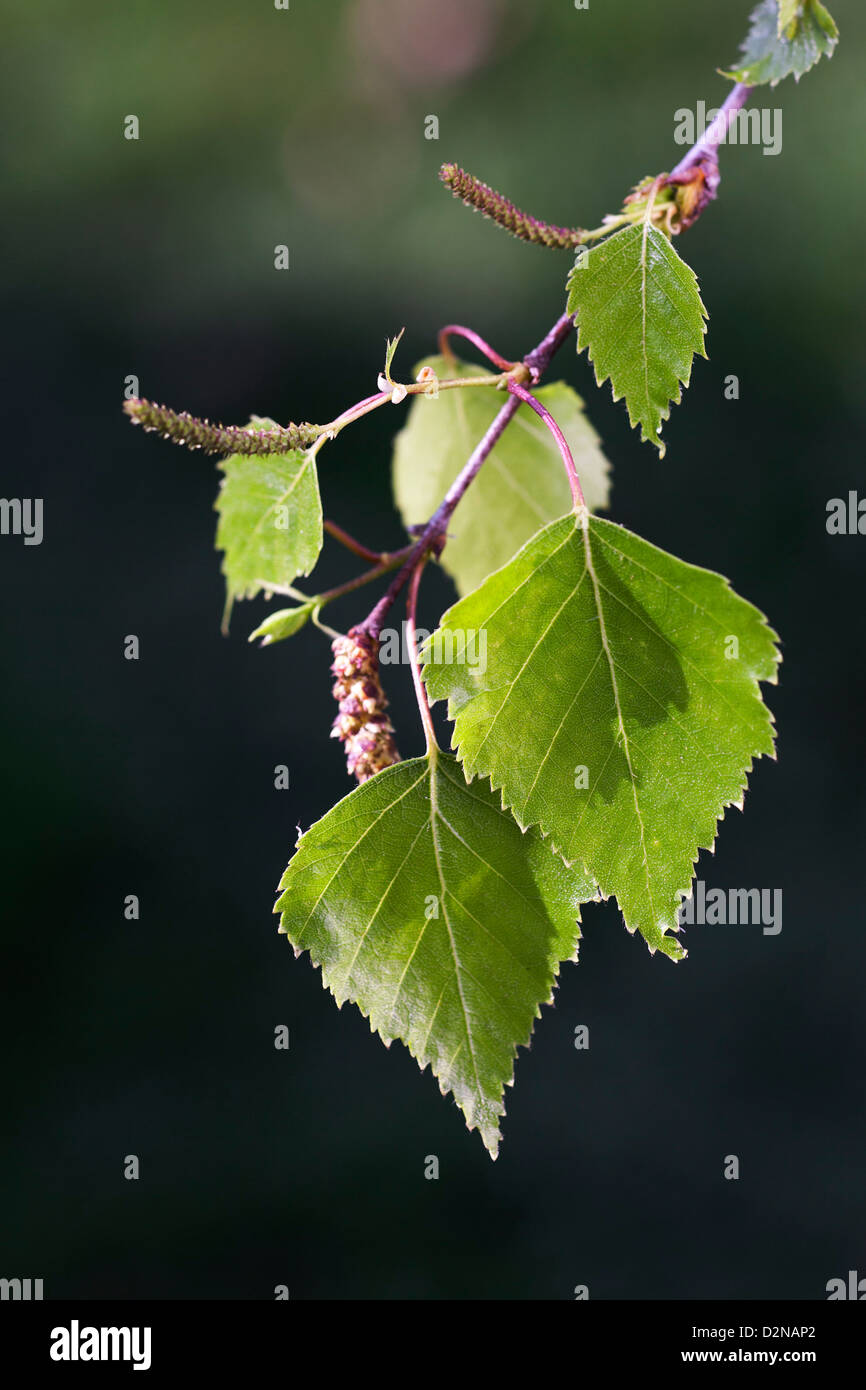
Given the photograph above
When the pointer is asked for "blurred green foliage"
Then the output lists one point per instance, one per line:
(306, 127)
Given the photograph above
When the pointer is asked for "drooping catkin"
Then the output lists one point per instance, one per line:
(361, 724)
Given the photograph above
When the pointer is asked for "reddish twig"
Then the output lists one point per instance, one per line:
(573, 481)
(432, 538)
(363, 551)
(420, 692)
(476, 340)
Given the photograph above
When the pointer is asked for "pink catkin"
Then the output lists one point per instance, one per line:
(361, 724)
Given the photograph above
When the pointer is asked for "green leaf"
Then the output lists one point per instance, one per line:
(284, 623)
(425, 905)
(270, 521)
(522, 484)
(640, 317)
(783, 40)
(618, 709)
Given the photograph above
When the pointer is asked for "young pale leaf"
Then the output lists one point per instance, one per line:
(619, 706)
(391, 345)
(270, 521)
(425, 905)
(282, 624)
(790, 12)
(522, 484)
(785, 39)
(640, 317)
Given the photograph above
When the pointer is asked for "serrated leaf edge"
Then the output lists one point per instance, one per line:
(491, 1139)
(496, 786)
(683, 382)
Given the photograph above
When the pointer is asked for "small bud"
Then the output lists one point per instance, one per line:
(694, 190)
(427, 374)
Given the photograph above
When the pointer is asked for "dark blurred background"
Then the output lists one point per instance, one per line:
(155, 1038)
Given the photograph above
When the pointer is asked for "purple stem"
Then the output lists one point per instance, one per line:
(385, 566)
(432, 537)
(715, 131)
(375, 556)
(573, 480)
(477, 341)
(436, 527)
(411, 638)
(360, 408)
(538, 360)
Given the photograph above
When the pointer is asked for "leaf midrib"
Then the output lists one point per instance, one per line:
(434, 811)
(626, 749)
(305, 465)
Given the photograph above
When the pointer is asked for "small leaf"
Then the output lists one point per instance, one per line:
(785, 39)
(391, 345)
(618, 707)
(425, 905)
(640, 317)
(270, 522)
(386, 382)
(284, 623)
(522, 484)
